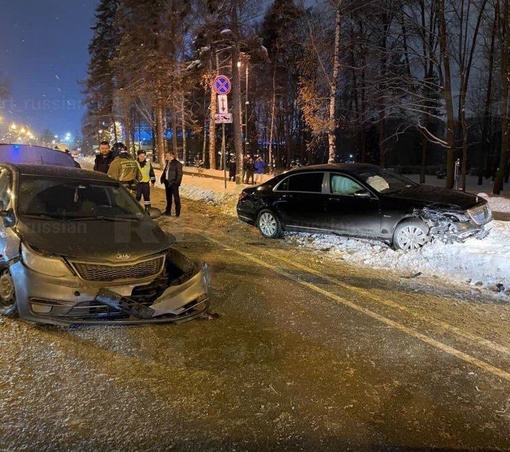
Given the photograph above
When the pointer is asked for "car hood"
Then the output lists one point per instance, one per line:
(95, 240)
(424, 195)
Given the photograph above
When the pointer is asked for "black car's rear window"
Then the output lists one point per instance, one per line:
(305, 182)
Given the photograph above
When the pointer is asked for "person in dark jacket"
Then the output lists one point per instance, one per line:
(104, 158)
(232, 167)
(250, 170)
(171, 178)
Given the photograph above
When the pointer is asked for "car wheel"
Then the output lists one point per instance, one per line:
(269, 226)
(410, 235)
(8, 305)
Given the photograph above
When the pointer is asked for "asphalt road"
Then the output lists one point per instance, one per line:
(303, 354)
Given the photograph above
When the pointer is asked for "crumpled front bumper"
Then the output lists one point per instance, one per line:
(183, 301)
(63, 302)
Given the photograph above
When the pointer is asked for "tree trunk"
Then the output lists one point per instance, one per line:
(183, 131)
(212, 131)
(447, 93)
(505, 108)
(483, 162)
(160, 140)
(334, 88)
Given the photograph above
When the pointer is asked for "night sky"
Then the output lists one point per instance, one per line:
(43, 55)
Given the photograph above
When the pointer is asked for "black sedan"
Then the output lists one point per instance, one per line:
(362, 200)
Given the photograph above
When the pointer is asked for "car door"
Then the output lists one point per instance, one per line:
(300, 202)
(351, 208)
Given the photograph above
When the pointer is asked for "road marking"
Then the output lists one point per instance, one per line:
(428, 340)
(473, 337)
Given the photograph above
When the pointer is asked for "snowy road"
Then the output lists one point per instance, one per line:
(308, 353)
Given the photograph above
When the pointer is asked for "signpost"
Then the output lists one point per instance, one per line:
(222, 86)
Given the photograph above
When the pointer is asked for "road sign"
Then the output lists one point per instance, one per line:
(222, 85)
(223, 118)
(222, 103)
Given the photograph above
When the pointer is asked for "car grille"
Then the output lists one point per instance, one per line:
(95, 272)
(480, 214)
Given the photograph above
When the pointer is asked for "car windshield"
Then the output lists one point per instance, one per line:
(65, 199)
(385, 181)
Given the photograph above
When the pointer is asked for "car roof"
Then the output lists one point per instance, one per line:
(34, 154)
(58, 171)
(348, 167)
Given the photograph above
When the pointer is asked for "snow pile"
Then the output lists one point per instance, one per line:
(211, 196)
(481, 263)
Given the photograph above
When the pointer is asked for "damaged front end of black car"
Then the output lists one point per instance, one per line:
(450, 224)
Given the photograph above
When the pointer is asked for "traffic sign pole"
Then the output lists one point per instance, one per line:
(222, 87)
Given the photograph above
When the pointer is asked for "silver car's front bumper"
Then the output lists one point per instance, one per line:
(66, 301)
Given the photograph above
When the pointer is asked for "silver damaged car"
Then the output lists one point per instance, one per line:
(75, 247)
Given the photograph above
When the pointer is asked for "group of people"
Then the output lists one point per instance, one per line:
(252, 169)
(138, 175)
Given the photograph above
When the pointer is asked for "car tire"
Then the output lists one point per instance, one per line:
(410, 235)
(8, 304)
(269, 225)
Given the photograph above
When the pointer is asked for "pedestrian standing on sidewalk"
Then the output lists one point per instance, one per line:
(244, 162)
(250, 169)
(232, 169)
(171, 178)
(260, 169)
(148, 178)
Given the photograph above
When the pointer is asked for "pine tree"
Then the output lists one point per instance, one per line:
(100, 83)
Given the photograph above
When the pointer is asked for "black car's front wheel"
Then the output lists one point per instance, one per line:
(8, 305)
(269, 225)
(410, 235)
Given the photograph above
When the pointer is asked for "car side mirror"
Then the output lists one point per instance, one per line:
(154, 212)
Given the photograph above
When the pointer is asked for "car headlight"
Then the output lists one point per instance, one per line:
(462, 217)
(51, 266)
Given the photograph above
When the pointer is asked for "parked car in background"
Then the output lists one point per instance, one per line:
(362, 200)
(32, 154)
(76, 247)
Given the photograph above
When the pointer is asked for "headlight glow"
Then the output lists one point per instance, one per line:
(51, 266)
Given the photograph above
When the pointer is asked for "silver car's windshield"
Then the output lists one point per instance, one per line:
(50, 197)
